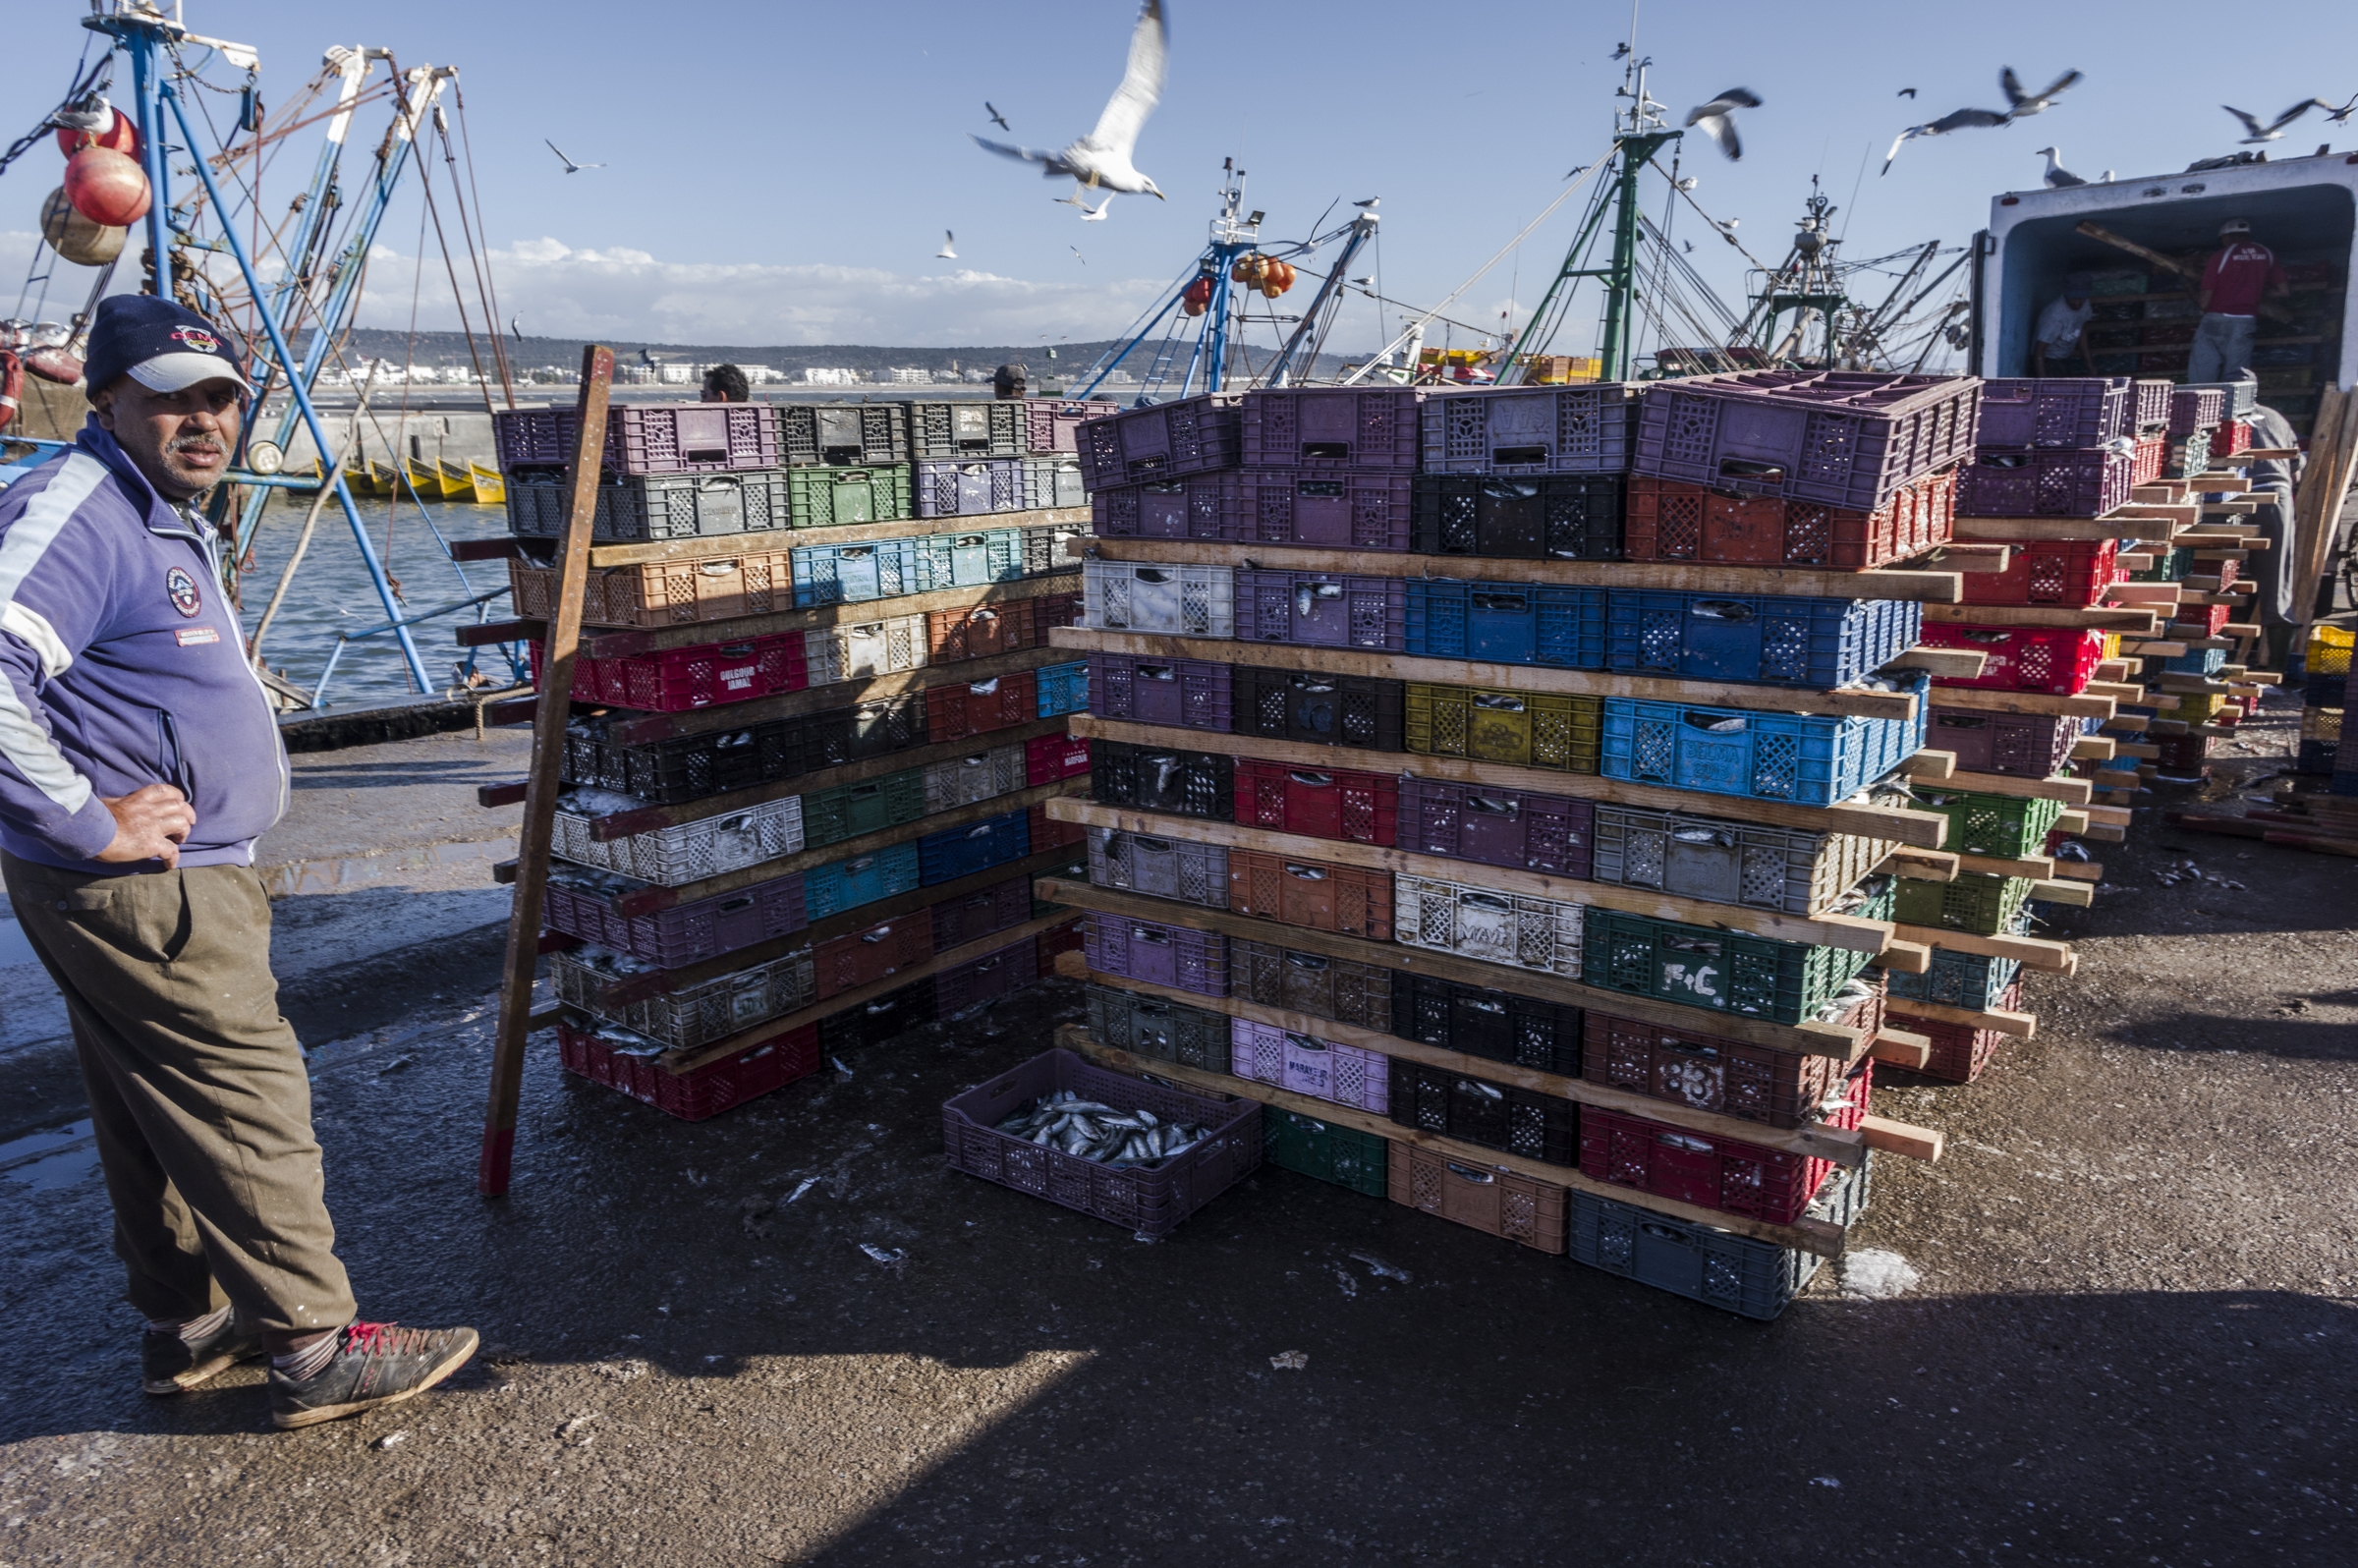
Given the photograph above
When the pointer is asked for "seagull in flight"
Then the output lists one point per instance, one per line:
(2057, 176)
(996, 118)
(1717, 119)
(2341, 115)
(949, 248)
(516, 326)
(1077, 256)
(2256, 133)
(1088, 214)
(1100, 160)
(1960, 120)
(571, 167)
(1907, 93)
(2022, 104)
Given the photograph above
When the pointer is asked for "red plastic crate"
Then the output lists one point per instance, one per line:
(1671, 521)
(858, 958)
(2022, 658)
(954, 712)
(2151, 458)
(710, 1090)
(1065, 938)
(681, 679)
(1049, 757)
(1315, 897)
(1730, 1078)
(2070, 573)
(1959, 1051)
(2023, 745)
(2230, 436)
(1046, 834)
(2201, 619)
(1766, 1184)
(1364, 808)
(982, 632)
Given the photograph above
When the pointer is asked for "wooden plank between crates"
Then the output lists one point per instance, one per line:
(1822, 1143)
(681, 1061)
(621, 641)
(2054, 958)
(2019, 1025)
(1901, 1049)
(625, 727)
(2136, 620)
(2071, 791)
(2037, 867)
(1807, 1235)
(2026, 530)
(1959, 556)
(1843, 1044)
(1983, 699)
(2092, 748)
(1922, 829)
(654, 898)
(1922, 865)
(730, 545)
(644, 983)
(1882, 583)
(1828, 931)
(2071, 823)
(2078, 895)
(1523, 679)
(1955, 663)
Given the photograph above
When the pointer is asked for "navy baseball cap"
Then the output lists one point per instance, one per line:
(159, 343)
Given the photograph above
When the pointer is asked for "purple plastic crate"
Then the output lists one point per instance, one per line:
(1333, 427)
(1513, 828)
(995, 973)
(2153, 405)
(973, 916)
(1049, 422)
(2054, 410)
(1358, 510)
(1157, 954)
(1194, 506)
(1148, 1201)
(1531, 429)
(1192, 694)
(2195, 408)
(1323, 608)
(2016, 483)
(968, 486)
(1193, 436)
(1345, 1075)
(581, 903)
(1847, 439)
(647, 437)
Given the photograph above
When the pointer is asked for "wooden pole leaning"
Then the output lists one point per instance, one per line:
(541, 785)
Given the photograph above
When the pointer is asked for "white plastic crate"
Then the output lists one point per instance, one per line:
(685, 852)
(872, 647)
(698, 1016)
(1496, 927)
(964, 780)
(1177, 600)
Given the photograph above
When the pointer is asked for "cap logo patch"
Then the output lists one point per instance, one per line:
(202, 342)
(181, 589)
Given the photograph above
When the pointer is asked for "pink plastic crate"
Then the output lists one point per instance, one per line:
(646, 437)
(580, 902)
(1339, 803)
(1320, 1069)
(1050, 424)
(1049, 757)
(681, 678)
(2022, 658)
(1157, 954)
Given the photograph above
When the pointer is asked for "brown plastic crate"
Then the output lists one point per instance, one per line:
(1703, 1072)
(656, 593)
(1271, 975)
(1671, 521)
(955, 712)
(982, 632)
(1495, 1202)
(858, 958)
(1305, 893)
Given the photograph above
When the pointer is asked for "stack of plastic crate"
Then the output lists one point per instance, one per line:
(806, 783)
(1564, 872)
(2324, 685)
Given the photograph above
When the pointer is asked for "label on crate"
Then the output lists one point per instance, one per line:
(1699, 978)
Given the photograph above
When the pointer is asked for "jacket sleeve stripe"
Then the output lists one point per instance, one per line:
(39, 635)
(29, 538)
(27, 749)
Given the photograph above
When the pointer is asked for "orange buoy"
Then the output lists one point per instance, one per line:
(1278, 278)
(1198, 298)
(106, 187)
(121, 137)
(1250, 270)
(76, 238)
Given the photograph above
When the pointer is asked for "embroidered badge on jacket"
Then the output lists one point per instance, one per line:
(181, 589)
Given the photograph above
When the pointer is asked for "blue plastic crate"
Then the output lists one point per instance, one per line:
(1717, 1267)
(1507, 623)
(957, 852)
(1756, 637)
(2197, 661)
(853, 573)
(1809, 759)
(1063, 688)
(848, 884)
(968, 560)
(1975, 981)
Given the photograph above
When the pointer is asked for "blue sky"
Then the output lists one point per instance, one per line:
(783, 173)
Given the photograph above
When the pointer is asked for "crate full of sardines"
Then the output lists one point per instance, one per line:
(1138, 1155)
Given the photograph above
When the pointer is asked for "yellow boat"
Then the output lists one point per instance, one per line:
(490, 486)
(424, 481)
(377, 479)
(458, 484)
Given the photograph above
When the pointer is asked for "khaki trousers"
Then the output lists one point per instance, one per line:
(200, 1100)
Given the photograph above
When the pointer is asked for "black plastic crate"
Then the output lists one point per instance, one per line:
(1495, 1025)
(1153, 779)
(872, 729)
(1513, 1121)
(1316, 710)
(877, 1019)
(1152, 1026)
(975, 428)
(843, 434)
(689, 767)
(1701, 1262)
(1567, 516)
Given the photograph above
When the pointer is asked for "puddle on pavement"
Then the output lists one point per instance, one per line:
(48, 1160)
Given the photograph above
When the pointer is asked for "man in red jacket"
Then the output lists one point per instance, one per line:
(2237, 276)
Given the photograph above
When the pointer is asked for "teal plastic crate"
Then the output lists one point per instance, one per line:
(1343, 1155)
(969, 558)
(848, 884)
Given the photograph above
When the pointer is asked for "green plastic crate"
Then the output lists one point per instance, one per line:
(1343, 1155)
(2003, 828)
(2171, 566)
(821, 498)
(1976, 902)
(1730, 971)
(1523, 729)
(850, 809)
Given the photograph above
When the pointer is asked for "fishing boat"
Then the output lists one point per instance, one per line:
(423, 479)
(458, 482)
(490, 486)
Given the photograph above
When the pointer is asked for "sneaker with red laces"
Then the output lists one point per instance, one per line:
(171, 1365)
(374, 1363)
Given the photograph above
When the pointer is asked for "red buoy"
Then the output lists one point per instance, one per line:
(1198, 298)
(106, 187)
(121, 136)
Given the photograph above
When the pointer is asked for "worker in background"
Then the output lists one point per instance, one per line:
(1007, 382)
(725, 383)
(2063, 330)
(2274, 480)
(2237, 276)
(139, 759)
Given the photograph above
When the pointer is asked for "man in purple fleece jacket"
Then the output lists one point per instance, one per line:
(140, 760)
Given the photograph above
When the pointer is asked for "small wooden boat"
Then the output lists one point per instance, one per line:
(458, 484)
(490, 485)
(423, 480)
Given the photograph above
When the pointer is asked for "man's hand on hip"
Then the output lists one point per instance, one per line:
(149, 824)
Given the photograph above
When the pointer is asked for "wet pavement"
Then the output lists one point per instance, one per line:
(2114, 1326)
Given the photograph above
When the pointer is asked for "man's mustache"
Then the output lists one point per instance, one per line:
(194, 443)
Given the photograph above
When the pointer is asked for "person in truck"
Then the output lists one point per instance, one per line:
(2238, 275)
(2062, 331)
(140, 760)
